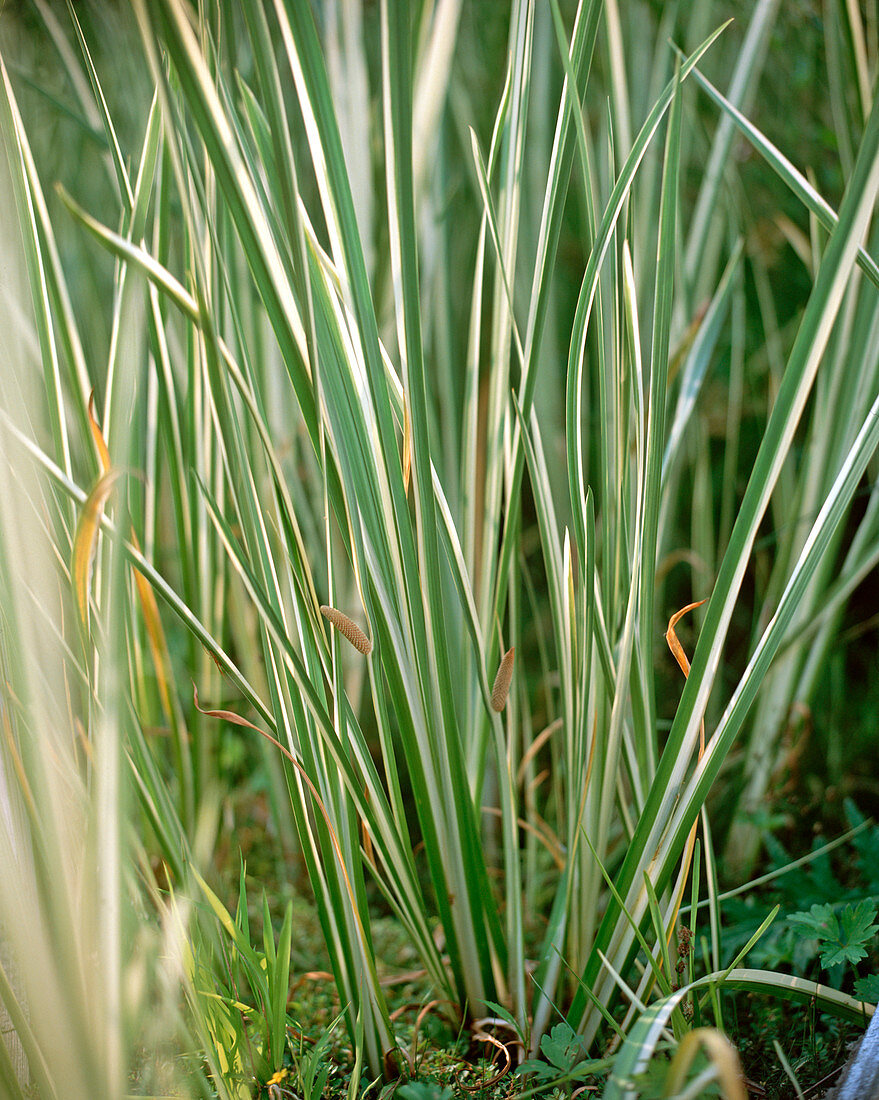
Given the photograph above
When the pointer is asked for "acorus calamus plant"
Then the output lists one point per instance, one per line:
(336, 373)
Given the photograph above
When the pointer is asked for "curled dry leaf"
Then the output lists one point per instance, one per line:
(680, 656)
(87, 528)
(98, 436)
(152, 620)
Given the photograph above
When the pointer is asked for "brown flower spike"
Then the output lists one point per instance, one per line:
(348, 629)
(502, 681)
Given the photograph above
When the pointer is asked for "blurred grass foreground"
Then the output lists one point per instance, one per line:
(438, 465)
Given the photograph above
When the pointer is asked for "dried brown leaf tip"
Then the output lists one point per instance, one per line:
(347, 629)
(502, 681)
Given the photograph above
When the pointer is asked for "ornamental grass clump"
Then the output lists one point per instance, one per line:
(450, 352)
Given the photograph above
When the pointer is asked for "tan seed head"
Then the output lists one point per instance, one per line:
(347, 629)
(502, 681)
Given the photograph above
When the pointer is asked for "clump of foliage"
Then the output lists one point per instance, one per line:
(387, 415)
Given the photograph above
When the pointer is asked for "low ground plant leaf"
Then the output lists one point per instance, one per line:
(563, 1047)
(868, 988)
(424, 1090)
(564, 1055)
(867, 846)
(537, 1067)
(820, 921)
(841, 938)
(858, 925)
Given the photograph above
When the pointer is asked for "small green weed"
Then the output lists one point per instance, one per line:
(840, 934)
(828, 932)
(314, 1065)
(564, 1062)
(239, 996)
(424, 1090)
(831, 887)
